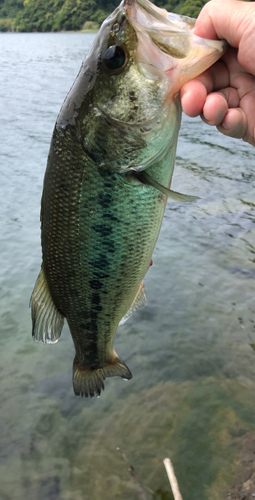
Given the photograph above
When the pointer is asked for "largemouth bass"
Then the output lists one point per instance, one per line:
(107, 181)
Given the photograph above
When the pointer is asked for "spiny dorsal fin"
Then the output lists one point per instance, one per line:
(47, 320)
(147, 179)
(88, 382)
(138, 302)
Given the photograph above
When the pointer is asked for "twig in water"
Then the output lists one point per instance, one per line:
(172, 479)
(134, 475)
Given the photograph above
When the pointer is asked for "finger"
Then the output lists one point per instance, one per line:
(217, 105)
(193, 96)
(239, 78)
(225, 20)
(248, 107)
(234, 21)
(194, 92)
(216, 77)
(234, 124)
(215, 109)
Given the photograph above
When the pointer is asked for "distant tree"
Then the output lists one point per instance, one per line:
(99, 16)
(10, 8)
(191, 8)
(169, 5)
(56, 15)
(73, 14)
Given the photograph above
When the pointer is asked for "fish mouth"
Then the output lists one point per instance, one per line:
(167, 47)
(149, 8)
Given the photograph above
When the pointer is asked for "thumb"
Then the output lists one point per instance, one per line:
(233, 21)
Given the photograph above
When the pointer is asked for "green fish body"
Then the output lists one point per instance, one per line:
(106, 185)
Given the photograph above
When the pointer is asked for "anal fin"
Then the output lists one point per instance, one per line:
(138, 302)
(90, 382)
(47, 320)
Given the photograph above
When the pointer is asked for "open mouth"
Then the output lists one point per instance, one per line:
(167, 46)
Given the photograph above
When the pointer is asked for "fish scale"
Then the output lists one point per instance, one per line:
(101, 247)
(121, 244)
(86, 247)
(107, 181)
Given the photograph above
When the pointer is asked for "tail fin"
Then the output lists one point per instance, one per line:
(88, 382)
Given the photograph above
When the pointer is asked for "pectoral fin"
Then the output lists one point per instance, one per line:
(47, 320)
(138, 302)
(147, 179)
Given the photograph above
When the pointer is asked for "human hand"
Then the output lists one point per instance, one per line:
(224, 95)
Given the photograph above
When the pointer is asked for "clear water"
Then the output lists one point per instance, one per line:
(192, 393)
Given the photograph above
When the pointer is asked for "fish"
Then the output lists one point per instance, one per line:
(107, 181)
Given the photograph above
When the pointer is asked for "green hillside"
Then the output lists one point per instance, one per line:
(57, 15)
(68, 15)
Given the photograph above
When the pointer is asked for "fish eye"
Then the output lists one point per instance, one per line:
(114, 57)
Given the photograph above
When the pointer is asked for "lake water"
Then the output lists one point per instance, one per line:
(190, 349)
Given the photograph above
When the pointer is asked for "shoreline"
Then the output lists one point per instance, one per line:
(46, 32)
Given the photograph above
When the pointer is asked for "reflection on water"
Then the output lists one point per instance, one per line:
(190, 350)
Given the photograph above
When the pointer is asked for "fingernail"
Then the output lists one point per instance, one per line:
(223, 124)
(208, 122)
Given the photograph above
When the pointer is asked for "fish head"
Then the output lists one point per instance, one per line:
(125, 101)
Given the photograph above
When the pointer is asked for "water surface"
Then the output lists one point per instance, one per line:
(190, 350)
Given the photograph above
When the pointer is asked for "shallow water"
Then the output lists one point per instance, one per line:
(190, 349)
